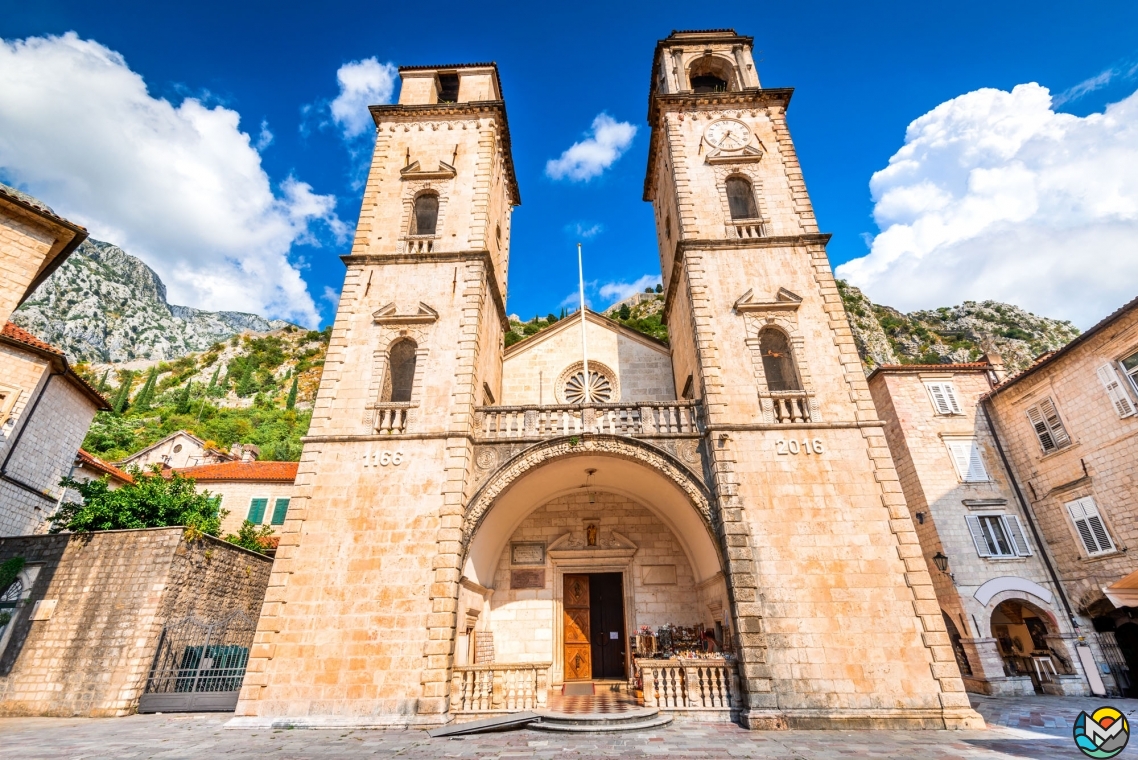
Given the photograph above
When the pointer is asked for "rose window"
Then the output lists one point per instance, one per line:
(600, 388)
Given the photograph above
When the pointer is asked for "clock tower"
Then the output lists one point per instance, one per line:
(838, 623)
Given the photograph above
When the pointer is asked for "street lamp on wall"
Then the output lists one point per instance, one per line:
(941, 562)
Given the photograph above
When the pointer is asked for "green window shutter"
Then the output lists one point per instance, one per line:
(257, 510)
(280, 509)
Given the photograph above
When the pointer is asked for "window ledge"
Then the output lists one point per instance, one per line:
(1006, 559)
(1104, 556)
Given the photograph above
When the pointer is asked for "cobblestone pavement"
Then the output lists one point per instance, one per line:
(1037, 728)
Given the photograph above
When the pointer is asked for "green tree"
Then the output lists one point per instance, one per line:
(625, 312)
(290, 402)
(659, 287)
(247, 385)
(183, 404)
(122, 397)
(551, 318)
(213, 380)
(145, 397)
(253, 537)
(103, 383)
(151, 501)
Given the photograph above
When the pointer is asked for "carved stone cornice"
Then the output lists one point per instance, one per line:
(784, 300)
(412, 171)
(387, 315)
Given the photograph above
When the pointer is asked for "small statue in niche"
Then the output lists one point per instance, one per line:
(591, 534)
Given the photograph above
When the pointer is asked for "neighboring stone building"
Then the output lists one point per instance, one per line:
(441, 492)
(1069, 427)
(45, 410)
(178, 450)
(1003, 610)
(89, 467)
(254, 491)
(91, 611)
(34, 241)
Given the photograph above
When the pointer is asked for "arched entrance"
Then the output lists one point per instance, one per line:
(1127, 637)
(1024, 635)
(552, 535)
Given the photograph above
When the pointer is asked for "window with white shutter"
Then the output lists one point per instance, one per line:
(943, 396)
(998, 536)
(968, 460)
(1112, 383)
(1048, 427)
(1090, 527)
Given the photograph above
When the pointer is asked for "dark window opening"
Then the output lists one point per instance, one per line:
(741, 199)
(401, 370)
(448, 88)
(426, 215)
(689, 389)
(708, 83)
(778, 364)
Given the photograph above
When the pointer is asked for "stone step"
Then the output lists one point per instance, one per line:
(640, 719)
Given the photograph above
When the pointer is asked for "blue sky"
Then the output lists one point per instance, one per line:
(862, 73)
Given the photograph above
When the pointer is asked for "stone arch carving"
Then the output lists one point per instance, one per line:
(749, 172)
(413, 189)
(594, 366)
(787, 321)
(520, 465)
(715, 64)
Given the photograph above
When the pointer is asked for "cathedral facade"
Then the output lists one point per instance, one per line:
(474, 526)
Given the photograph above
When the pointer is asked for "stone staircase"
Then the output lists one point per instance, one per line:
(640, 719)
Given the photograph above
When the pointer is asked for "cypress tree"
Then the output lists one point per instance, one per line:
(213, 380)
(122, 397)
(290, 403)
(183, 406)
(103, 383)
(145, 396)
(246, 386)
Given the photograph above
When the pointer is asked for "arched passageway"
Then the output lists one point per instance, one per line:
(580, 552)
(1024, 635)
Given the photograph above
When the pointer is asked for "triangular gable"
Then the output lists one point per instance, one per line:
(573, 321)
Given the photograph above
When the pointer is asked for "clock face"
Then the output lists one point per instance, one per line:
(728, 134)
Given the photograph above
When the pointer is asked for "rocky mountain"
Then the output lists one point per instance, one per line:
(104, 305)
(961, 333)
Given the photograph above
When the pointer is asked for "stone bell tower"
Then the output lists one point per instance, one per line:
(358, 622)
(838, 622)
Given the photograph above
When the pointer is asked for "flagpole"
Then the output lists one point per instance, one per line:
(584, 342)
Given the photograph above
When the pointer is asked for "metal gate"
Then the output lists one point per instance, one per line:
(1116, 662)
(199, 666)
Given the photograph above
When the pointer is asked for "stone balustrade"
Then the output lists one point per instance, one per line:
(391, 418)
(750, 228)
(550, 421)
(790, 407)
(710, 683)
(499, 687)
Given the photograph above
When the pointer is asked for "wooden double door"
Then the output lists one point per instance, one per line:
(594, 626)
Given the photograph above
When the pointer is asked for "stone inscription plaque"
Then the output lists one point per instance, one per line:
(527, 554)
(529, 578)
(659, 575)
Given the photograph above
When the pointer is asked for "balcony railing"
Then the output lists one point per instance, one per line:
(391, 418)
(499, 687)
(749, 228)
(787, 407)
(643, 419)
(697, 684)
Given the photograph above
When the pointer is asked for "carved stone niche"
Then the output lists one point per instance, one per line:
(611, 545)
(781, 311)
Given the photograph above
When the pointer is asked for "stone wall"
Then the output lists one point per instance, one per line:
(522, 620)
(45, 452)
(24, 245)
(112, 592)
(1100, 462)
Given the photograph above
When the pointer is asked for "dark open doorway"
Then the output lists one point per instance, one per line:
(607, 639)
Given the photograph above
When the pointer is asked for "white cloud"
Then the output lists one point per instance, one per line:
(995, 195)
(586, 159)
(332, 296)
(618, 291)
(362, 84)
(265, 138)
(1123, 70)
(181, 186)
(584, 230)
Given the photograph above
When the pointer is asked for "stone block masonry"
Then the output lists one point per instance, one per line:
(112, 591)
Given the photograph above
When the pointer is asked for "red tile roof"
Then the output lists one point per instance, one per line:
(95, 463)
(20, 335)
(269, 471)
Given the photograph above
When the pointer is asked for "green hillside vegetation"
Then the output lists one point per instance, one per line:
(249, 389)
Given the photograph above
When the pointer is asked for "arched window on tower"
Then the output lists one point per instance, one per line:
(778, 361)
(401, 359)
(425, 215)
(710, 74)
(741, 199)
